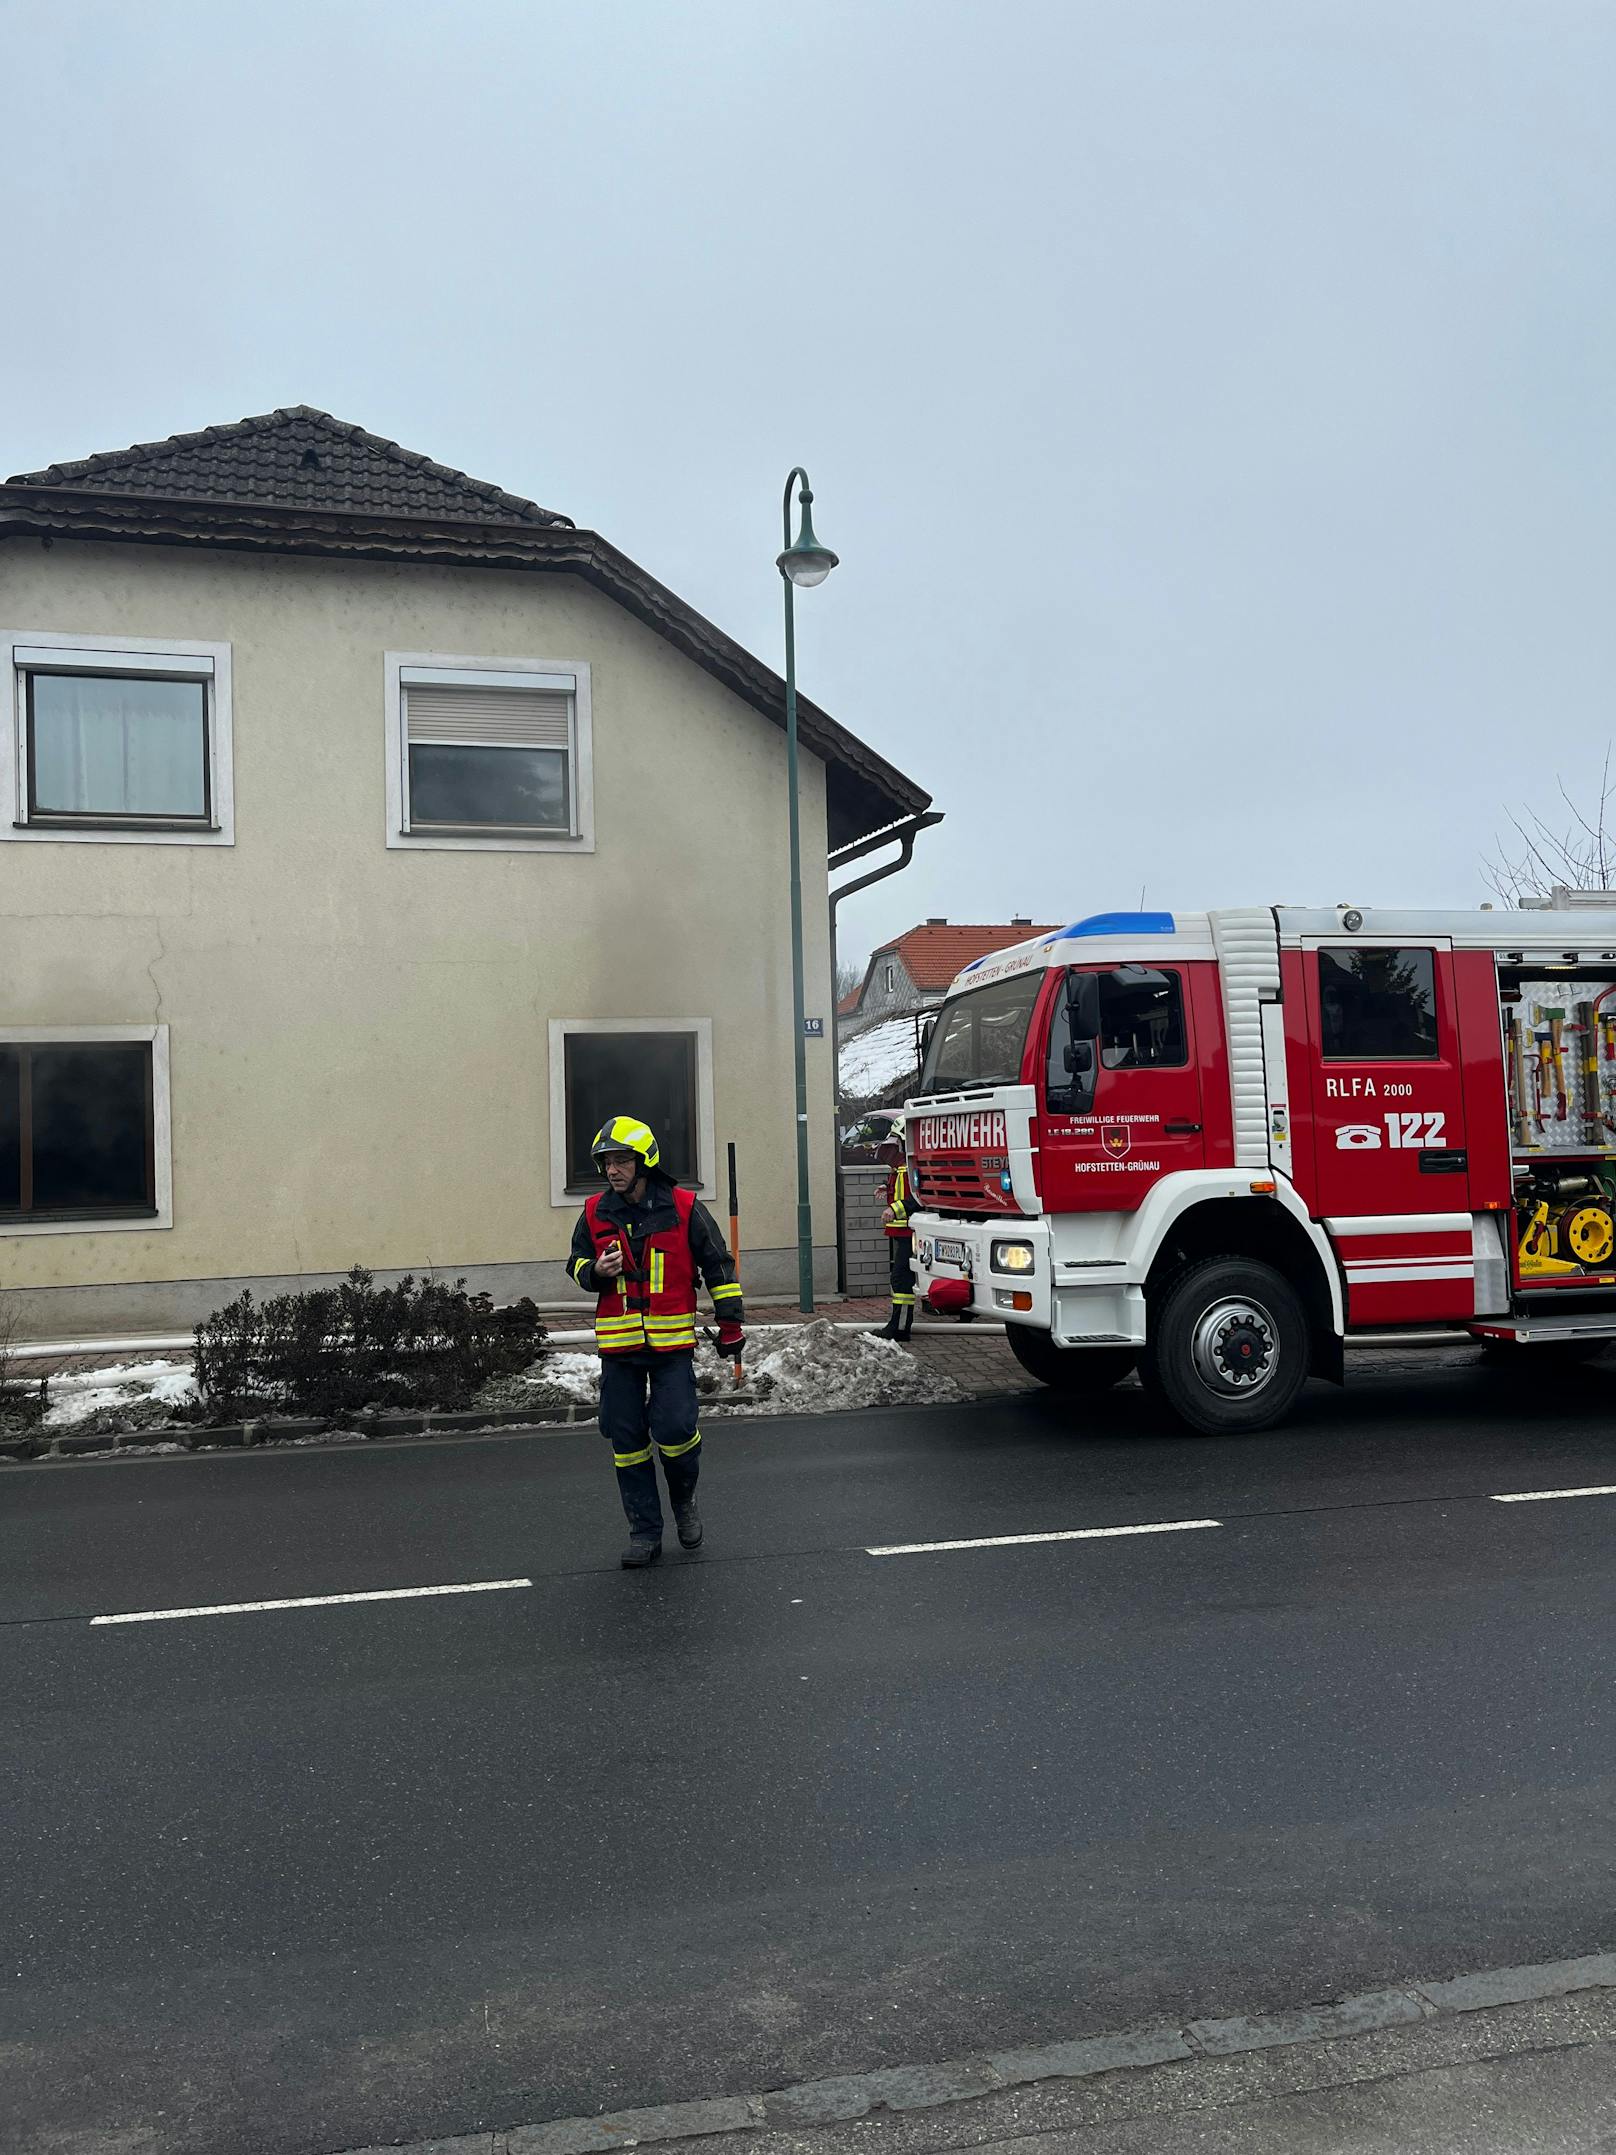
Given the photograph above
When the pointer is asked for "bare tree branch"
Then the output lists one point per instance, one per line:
(1581, 857)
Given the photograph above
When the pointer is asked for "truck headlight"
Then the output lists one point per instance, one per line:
(1012, 1257)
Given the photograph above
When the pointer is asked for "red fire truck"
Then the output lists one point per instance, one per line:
(1214, 1146)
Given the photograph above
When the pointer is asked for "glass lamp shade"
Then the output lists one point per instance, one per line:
(807, 565)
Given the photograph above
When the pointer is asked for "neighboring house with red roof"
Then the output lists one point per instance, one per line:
(913, 971)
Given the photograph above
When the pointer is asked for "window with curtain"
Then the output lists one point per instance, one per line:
(106, 747)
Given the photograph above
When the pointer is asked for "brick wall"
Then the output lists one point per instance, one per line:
(863, 1202)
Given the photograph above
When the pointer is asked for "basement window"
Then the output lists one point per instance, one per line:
(84, 1129)
(489, 755)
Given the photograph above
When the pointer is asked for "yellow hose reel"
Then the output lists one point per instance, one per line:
(1587, 1234)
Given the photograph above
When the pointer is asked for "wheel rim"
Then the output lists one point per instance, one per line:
(1235, 1347)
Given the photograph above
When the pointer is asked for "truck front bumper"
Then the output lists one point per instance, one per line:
(1093, 1303)
(956, 1255)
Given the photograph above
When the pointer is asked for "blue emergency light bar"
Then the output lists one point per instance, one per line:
(1119, 924)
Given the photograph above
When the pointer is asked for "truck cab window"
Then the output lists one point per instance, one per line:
(979, 1037)
(1141, 1020)
(1141, 1028)
(1378, 1005)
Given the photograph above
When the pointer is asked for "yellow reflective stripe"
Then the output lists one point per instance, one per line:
(677, 1451)
(678, 1321)
(903, 1301)
(658, 1269)
(632, 1459)
(580, 1265)
(726, 1289)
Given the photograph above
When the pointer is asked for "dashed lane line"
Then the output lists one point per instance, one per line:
(1016, 1541)
(1543, 1496)
(311, 1601)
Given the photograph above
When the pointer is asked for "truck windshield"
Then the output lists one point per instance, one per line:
(980, 1035)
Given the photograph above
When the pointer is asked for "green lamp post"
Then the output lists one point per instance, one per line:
(804, 562)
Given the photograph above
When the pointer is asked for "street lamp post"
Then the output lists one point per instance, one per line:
(803, 562)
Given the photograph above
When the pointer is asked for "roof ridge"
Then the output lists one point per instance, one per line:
(109, 460)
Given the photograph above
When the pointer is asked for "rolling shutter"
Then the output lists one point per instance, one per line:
(454, 715)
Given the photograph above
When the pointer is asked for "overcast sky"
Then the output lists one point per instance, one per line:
(1212, 404)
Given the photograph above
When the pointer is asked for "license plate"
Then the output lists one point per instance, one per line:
(950, 1253)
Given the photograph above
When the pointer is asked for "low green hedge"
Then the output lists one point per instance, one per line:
(333, 1351)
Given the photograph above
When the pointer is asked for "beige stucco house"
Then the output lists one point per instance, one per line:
(367, 835)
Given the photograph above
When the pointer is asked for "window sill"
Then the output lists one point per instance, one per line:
(485, 838)
(523, 833)
(13, 1224)
(133, 825)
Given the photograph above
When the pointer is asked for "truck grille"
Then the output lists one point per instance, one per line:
(960, 1186)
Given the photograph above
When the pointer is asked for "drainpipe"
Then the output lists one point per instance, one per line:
(903, 835)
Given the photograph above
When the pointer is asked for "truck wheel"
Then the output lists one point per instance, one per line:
(1073, 1370)
(1228, 1346)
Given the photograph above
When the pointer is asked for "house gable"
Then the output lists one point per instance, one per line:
(297, 481)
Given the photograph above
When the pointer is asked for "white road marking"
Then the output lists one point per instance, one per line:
(311, 1601)
(1015, 1541)
(1542, 1496)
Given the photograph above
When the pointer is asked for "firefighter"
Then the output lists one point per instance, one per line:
(638, 1247)
(900, 1246)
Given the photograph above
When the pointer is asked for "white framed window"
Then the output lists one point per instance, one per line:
(86, 1140)
(658, 1069)
(488, 754)
(116, 739)
(891, 977)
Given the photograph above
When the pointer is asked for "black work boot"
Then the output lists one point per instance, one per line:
(641, 1550)
(887, 1331)
(688, 1520)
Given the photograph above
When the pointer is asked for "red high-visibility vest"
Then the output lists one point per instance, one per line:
(653, 1302)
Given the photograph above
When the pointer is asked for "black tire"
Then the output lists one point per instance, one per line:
(1075, 1371)
(1229, 1346)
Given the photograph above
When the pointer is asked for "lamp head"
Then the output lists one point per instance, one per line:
(805, 561)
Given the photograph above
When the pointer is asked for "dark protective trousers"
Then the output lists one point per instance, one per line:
(648, 1405)
(901, 1258)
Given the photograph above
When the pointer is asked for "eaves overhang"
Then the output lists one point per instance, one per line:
(863, 791)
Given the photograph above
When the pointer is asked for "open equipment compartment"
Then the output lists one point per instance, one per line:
(1559, 1038)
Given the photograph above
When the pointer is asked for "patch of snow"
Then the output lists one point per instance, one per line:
(123, 1384)
(575, 1376)
(816, 1369)
(873, 1062)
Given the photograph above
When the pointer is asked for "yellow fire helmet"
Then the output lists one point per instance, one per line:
(624, 1133)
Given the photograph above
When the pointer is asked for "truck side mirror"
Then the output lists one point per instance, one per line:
(926, 1032)
(1080, 1058)
(1083, 1005)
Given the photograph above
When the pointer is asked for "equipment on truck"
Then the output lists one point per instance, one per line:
(1212, 1147)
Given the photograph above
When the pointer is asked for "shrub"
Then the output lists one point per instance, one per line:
(22, 1400)
(334, 1351)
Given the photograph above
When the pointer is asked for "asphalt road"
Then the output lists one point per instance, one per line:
(288, 1881)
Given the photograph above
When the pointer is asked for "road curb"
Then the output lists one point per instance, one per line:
(839, 2099)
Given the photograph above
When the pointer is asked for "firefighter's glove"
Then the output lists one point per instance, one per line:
(731, 1342)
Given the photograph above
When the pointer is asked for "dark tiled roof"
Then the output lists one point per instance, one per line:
(295, 459)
